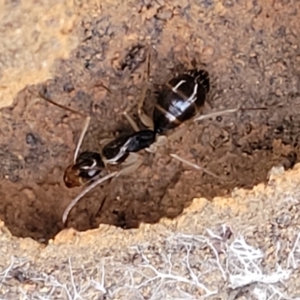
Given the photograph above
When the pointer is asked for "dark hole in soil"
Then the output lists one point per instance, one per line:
(38, 139)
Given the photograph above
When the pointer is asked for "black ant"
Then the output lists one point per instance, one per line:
(178, 101)
(92, 168)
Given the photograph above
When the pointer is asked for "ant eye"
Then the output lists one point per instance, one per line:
(219, 118)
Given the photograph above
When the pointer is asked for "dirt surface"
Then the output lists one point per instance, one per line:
(211, 239)
(244, 247)
(251, 50)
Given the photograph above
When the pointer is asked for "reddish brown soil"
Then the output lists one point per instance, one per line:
(252, 53)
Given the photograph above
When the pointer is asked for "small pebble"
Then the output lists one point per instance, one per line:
(68, 87)
(31, 139)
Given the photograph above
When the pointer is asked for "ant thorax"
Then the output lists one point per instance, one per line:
(118, 150)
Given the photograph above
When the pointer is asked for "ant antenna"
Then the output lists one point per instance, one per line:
(82, 135)
(85, 191)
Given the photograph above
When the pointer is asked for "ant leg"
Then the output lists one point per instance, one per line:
(145, 119)
(85, 191)
(131, 122)
(215, 114)
(104, 86)
(132, 163)
(196, 166)
(226, 111)
(84, 129)
(161, 140)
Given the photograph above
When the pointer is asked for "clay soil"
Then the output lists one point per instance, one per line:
(251, 53)
(251, 50)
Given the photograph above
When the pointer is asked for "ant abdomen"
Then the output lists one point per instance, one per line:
(180, 99)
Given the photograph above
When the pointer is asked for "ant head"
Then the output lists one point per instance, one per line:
(87, 166)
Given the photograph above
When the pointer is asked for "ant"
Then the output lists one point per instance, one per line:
(92, 168)
(178, 101)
